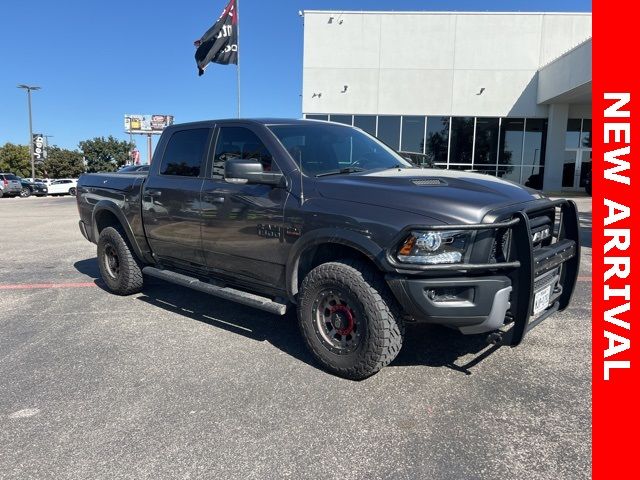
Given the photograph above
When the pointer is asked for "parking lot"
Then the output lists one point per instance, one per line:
(172, 383)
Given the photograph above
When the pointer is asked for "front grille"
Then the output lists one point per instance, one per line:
(542, 228)
(500, 246)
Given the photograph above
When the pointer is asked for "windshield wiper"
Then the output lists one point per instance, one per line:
(342, 171)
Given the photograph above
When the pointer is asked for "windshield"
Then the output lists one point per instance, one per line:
(324, 148)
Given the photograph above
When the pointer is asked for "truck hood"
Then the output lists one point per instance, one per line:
(446, 195)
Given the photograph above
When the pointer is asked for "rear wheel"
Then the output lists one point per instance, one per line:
(349, 319)
(119, 268)
(72, 191)
(25, 192)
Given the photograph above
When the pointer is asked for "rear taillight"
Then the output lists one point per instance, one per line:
(5, 181)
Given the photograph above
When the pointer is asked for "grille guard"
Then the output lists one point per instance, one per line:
(527, 264)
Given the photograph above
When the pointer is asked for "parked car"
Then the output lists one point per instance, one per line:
(37, 189)
(418, 159)
(134, 169)
(64, 186)
(328, 220)
(10, 185)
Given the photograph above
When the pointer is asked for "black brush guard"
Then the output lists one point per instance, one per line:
(563, 253)
(526, 265)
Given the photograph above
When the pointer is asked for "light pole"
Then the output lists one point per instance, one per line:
(29, 89)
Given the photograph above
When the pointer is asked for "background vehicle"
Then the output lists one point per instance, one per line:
(277, 213)
(10, 185)
(418, 159)
(32, 188)
(134, 169)
(64, 186)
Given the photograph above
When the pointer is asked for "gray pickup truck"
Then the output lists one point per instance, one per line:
(322, 217)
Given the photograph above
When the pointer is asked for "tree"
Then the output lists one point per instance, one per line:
(15, 159)
(63, 163)
(105, 154)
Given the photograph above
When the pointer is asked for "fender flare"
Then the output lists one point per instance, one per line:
(112, 207)
(348, 238)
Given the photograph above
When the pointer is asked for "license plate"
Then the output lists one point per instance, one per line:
(541, 300)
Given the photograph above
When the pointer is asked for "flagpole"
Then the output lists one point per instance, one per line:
(237, 14)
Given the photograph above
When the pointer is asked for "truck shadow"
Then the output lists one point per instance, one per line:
(426, 345)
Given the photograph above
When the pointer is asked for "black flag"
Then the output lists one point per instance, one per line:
(220, 43)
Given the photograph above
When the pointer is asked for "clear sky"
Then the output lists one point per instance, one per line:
(97, 60)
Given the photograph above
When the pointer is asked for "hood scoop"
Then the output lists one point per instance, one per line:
(428, 182)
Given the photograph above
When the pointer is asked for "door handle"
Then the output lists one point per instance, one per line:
(153, 193)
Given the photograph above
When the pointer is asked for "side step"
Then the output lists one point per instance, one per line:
(249, 299)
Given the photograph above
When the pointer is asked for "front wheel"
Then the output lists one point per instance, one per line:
(72, 191)
(118, 266)
(349, 319)
(25, 192)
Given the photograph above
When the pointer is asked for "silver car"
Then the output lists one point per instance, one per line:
(10, 185)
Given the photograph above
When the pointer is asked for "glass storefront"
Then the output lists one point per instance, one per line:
(510, 148)
(389, 130)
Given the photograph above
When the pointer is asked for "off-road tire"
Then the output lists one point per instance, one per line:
(383, 329)
(128, 279)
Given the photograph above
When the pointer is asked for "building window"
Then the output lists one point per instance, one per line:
(461, 149)
(511, 137)
(412, 134)
(585, 136)
(573, 133)
(535, 141)
(317, 117)
(532, 176)
(366, 123)
(509, 172)
(346, 119)
(486, 142)
(389, 131)
(437, 141)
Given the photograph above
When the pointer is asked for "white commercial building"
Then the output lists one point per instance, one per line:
(507, 94)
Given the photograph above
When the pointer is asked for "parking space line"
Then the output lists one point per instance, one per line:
(34, 286)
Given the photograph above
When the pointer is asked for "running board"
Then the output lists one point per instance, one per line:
(238, 296)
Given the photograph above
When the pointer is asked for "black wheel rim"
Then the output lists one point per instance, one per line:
(337, 321)
(111, 261)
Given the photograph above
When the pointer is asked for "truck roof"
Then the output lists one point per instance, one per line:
(258, 121)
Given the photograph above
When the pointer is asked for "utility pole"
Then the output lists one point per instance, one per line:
(29, 89)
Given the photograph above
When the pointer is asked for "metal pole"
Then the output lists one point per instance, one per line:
(237, 14)
(33, 162)
(149, 147)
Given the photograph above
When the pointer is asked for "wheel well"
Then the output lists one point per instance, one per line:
(104, 219)
(323, 253)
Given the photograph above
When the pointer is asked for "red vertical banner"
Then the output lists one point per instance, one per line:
(616, 259)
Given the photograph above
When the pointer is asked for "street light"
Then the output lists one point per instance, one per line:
(29, 89)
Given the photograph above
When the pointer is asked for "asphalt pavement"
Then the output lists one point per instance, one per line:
(172, 383)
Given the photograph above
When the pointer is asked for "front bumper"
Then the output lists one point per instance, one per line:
(528, 287)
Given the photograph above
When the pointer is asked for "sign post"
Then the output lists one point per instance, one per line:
(148, 125)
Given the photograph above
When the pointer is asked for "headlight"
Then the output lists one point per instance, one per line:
(434, 247)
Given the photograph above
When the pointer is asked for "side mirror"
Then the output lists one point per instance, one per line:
(250, 170)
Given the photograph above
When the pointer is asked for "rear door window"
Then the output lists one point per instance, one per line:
(184, 153)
